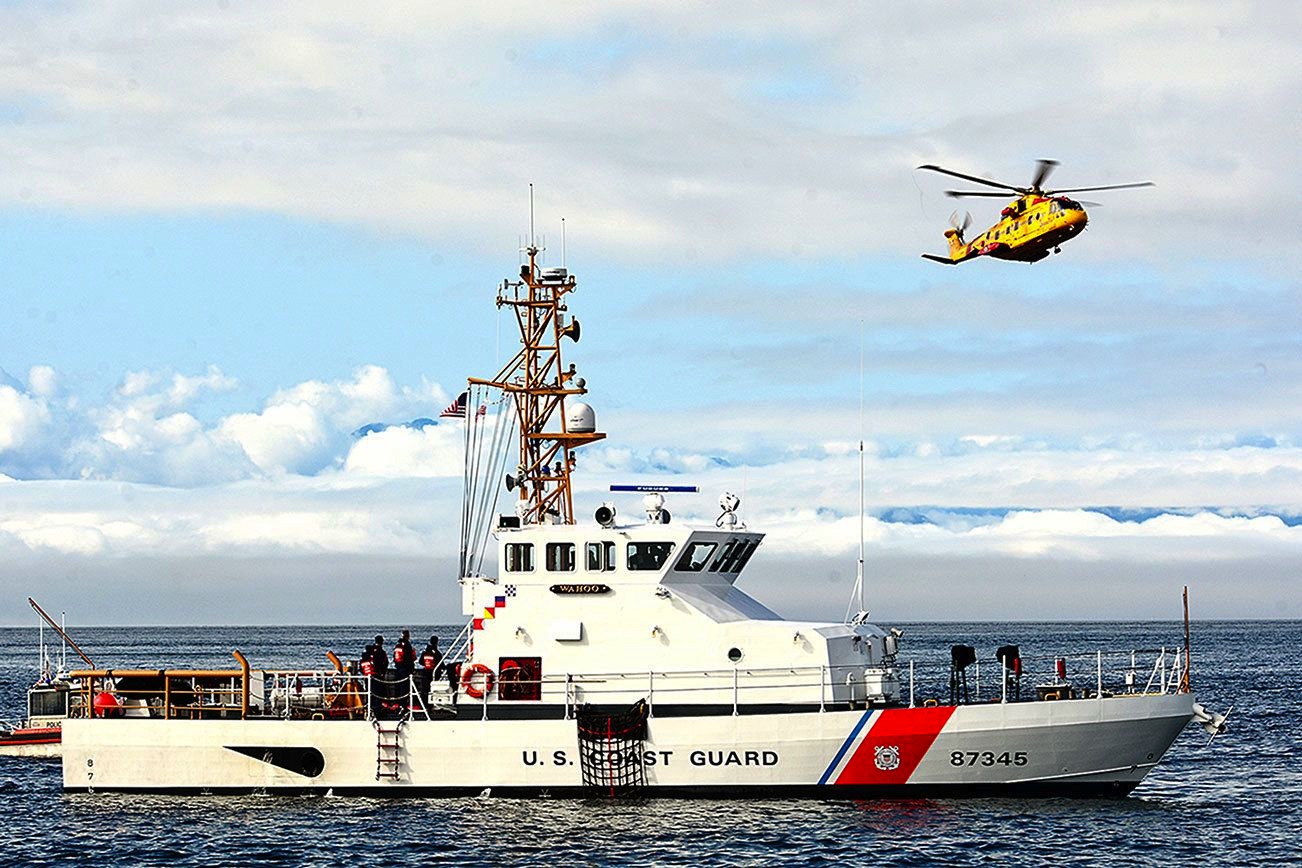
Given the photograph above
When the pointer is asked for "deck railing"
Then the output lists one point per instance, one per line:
(331, 694)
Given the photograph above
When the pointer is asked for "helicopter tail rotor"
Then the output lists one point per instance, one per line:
(960, 225)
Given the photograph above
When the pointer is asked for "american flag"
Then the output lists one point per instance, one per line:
(457, 409)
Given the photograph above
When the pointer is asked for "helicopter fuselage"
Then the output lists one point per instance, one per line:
(1029, 229)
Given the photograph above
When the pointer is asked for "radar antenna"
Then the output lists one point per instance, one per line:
(860, 588)
(539, 385)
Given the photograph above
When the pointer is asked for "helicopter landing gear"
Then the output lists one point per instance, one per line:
(1057, 250)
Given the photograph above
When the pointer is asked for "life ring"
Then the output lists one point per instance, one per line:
(468, 677)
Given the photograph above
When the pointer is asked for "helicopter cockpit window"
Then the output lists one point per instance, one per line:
(1071, 205)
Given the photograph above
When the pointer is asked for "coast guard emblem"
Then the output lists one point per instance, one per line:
(887, 757)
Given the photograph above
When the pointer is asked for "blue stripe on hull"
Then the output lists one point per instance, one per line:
(836, 761)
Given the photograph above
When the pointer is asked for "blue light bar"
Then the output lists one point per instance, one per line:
(662, 489)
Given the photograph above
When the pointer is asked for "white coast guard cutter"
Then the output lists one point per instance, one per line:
(619, 656)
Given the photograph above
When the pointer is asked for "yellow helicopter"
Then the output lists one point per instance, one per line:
(1029, 228)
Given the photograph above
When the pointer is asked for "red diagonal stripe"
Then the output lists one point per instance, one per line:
(910, 730)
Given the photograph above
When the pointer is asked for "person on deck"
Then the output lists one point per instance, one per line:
(431, 662)
(404, 656)
(380, 657)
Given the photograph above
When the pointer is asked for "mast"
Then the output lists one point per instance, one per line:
(1188, 665)
(539, 385)
(860, 592)
(860, 578)
(62, 634)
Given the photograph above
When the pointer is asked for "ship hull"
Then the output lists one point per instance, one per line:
(1074, 747)
(40, 742)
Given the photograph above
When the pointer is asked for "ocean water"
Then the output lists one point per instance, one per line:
(1238, 801)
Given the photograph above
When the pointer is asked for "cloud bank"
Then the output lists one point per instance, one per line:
(315, 473)
(730, 115)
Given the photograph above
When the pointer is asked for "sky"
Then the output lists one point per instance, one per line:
(231, 235)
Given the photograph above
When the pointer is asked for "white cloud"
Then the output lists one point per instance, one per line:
(432, 450)
(330, 530)
(42, 381)
(185, 389)
(1060, 534)
(250, 534)
(147, 431)
(287, 436)
(22, 419)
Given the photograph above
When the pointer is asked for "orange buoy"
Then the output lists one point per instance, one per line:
(107, 705)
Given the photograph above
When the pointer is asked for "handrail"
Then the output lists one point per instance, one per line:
(299, 692)
(244, 684)
(155, 673)
(460, 643)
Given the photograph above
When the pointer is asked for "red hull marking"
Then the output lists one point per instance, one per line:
(47, 735)
(904, 735)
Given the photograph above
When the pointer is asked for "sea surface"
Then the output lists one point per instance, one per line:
(1238, 801)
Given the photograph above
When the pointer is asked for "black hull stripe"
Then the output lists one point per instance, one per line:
(15, 741)
(1026, 789)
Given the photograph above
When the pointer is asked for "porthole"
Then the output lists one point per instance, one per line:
(734, 654)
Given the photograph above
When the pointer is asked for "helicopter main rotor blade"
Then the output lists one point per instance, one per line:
(959, 194)
(1042, 172)
(1107, 187)
(974, 178)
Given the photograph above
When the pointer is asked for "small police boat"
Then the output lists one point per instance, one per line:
(40, 734)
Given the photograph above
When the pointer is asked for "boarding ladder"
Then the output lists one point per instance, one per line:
(388, 750)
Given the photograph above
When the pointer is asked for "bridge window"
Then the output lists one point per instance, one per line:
(745, 556)
(648, 555)
(696, 557)
(600, 557)
(560, 557)
(47, 702)
(519, 557)
(734, 556)
(740, 555)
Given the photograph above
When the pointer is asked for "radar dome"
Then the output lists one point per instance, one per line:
(580, 418)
